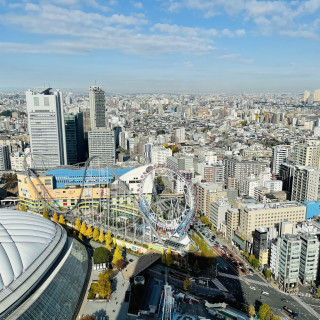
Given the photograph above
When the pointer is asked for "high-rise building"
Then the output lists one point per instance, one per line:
(46, 128)
(289, 261)
(97, 108)
(4, 158)
(74, 138)
(305, 184)
(306, 96)
(307, 155)
(280, 154)
(286, 172)
(260, 245)
(101, 143)
(211, 172)
(316, 95)
(180, 135)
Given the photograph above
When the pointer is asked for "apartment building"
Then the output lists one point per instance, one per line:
(307, 155)
(280, 155)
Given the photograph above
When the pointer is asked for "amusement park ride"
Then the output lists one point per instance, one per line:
(160, 217)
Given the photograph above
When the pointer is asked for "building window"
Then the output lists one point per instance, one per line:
(36, 101)
(46, 101)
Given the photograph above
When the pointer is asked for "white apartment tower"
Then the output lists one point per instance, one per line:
(279, 155)
(102, 144)
(46, 128)
(180, 135)
(97, 108)
(307, 155)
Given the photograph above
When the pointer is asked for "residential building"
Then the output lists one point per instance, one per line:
(280, 155)
(102, 144)
(97, 107)
(46, 128)
(213, 173)
(4, 158)
(160, 154)
(275, 257)
(218, 211)
(273, 185)
(306, 184)
(180, 135)
(232, 221)
(307, 155)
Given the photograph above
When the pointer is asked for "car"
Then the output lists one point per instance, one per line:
(265, 293)
(252, 288)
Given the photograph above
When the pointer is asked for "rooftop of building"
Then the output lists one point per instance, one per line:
(274, 205)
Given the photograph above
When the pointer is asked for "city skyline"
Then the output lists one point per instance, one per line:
(167, 46)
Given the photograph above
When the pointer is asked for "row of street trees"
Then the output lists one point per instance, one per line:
(252, 259)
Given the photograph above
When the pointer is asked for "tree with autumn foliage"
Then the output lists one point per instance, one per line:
(120, 264)
(117, 255)
(89, 232)
(108, 239)
(103, 286)
(55, 217)
(83, 229)
(77, 224)
(101, 236)
(95, 235)
(61, 219)
(169, 259)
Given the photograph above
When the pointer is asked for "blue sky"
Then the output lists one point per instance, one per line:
(175, 46)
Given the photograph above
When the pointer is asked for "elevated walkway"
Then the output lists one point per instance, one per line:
(140, 264)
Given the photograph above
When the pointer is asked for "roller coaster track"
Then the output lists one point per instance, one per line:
(30, 173)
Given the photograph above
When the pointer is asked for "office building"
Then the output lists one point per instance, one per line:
(280, 155)
(289, 261)
(316, 95)
(232, 221)
(309, 258)
(4, 158)
(160, 154)
(258, 215)
(306, 184)
(97, 107)
(260, 245)
(218, 210)
(74, 138)
(46, 128)
(147, 152)
(306, 96)
(286, 173)
(102, 144)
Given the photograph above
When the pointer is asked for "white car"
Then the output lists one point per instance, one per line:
(252, 288)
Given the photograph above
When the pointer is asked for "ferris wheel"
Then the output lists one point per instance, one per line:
(170, 214)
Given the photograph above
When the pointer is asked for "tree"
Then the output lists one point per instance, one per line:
(61, 219)
(187, 283)
(267, 274)
(255, 263)
(83, 229)
(275, 317)
(318, 291)
(77, 225)
(169, 258)
(101, 236)
(269, 315)
(264, 308)
(101, 255)
(117, 255)
(251, 311)
(89, 232)
(95, 235)
(205, 220)
(120, 264)
(45, 213)
(88, 317)
(108, 239)
(251, 257)
(80, 236)
(55, 217)
(103, 286)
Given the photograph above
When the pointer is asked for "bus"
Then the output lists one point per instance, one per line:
(290, 312)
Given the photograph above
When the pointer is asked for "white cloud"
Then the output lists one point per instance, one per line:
(231, 56)
(138, 5)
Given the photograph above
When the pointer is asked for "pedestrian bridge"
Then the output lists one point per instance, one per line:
(140, 264)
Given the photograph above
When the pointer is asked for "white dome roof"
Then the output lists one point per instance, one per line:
(23, 238)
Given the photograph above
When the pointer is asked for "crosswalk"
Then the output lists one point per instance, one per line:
(246, 280)
(219, 285)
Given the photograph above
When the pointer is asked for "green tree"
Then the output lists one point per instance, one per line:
(269, 315)
(263, 310)
(45, 213)
(169, 259)
(251, 258)
(187, 283)
(83, 229)
(61, 219)
(267, 274)
(120, 264)
(101, 255)
(101, 236)
(255, 263)
(77, 225)
(89, 232)
(95, 235)
(103, 286)
(117, 255)
(108, 239)
(55, 217)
